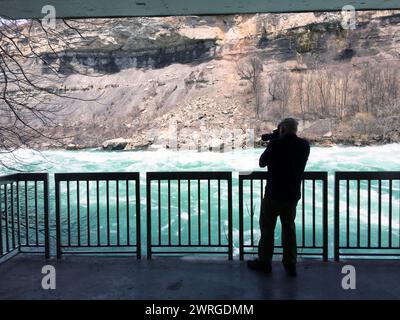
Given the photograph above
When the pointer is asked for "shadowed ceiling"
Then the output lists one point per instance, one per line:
(20, 9)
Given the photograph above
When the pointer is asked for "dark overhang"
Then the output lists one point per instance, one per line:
(22, 9)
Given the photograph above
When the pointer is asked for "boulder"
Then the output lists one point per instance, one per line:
(116, 144)
(73, 146)
(140, 144)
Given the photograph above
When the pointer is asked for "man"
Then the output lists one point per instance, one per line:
(286, 158)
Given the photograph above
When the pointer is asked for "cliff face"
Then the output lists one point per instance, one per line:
(116, 60)
(150, 72)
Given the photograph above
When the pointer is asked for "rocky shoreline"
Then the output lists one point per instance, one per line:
(121, 144)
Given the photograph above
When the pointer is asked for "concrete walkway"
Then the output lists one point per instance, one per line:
(193, 278)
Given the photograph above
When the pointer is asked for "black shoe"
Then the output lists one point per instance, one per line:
(290, 270)
(259, 265)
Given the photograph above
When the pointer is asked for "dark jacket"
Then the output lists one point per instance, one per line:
(286, 159)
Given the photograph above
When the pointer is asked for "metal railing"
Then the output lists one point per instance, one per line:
(199, 223)
(24, 219)
(365, 219)
(191, 213)
(98, 213)
(311, 224)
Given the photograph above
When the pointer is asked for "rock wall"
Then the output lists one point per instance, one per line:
(115, 61)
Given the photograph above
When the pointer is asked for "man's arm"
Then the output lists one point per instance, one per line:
(265, 158)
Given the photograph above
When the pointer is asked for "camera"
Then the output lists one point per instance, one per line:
(270, 136)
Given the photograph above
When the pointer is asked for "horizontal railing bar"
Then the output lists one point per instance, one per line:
(9, 178)
(384, 254)
(32, 176)
(5, 182)
(281, 252)
(256, 175)
(93, 176)
(99, 252)
(189, 175)
(365, 175)
(370, 248)
(182, 252)
(277, 246)
(102, 246)
(190, 246)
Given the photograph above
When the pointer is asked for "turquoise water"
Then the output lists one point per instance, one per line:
(373, 158)
(386, 157)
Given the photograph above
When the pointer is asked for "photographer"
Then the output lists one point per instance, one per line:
(286, 157)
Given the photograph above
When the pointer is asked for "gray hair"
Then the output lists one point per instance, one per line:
(290, 125)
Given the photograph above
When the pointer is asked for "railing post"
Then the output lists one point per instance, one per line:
(18, 217)
(1, 225)
(336, 218)
(148, 208)
(46, 216)
(138, 220)
(58, 216)
(230, 230)
(12, 216)
(241, 228)
(325, 217)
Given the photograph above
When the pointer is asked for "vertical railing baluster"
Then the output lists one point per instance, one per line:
(313, 212)
(12, 215)
(337, 218)
(380, 213)
(159, 212)
(369, 213)
(325, 217)
(69, 214)
(36, 214)
(58, 218)
(26, 214)
(88, 212)
(78, 205)
(98, 212)
(251, 213)
(219, 212)
(199, 211)
(148, 216)
(117, 209)
(138, 219)
(18, 216)
(108, 210)
(1, 221)
(6, 216)
(230, 220)
(348, 212)
(169, 213)
(209, 212)
(46, 215)
(358, 212)
(179, 213)
(189, 214)
(241, 219)
(128, 241)
(390, 213)
(303, 213)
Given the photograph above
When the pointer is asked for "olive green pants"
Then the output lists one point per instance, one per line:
(270, 210)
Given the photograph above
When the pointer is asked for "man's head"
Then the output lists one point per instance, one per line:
(288, 126)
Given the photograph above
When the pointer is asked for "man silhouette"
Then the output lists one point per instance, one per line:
(286, 158)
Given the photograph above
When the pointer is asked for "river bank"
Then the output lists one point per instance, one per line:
(218, 145)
